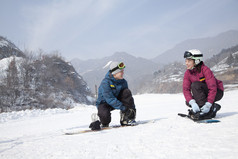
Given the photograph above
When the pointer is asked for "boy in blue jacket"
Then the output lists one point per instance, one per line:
(113, 93)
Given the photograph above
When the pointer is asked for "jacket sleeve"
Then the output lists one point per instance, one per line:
(109, 96)
(187, 87)
(125, 84)
(211, 85)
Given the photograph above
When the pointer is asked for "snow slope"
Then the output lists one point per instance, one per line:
(39, 134)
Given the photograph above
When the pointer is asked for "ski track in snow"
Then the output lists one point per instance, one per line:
(40, 134)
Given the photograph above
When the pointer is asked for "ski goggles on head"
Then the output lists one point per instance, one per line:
(120, 66)
(188, 55)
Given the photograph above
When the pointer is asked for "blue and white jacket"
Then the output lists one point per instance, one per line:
(109, 90)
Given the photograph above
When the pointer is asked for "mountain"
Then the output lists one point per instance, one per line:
(38, 82)
(137, 69)
(209, 46)
(225, 66)
(8, 49)
(169, 79)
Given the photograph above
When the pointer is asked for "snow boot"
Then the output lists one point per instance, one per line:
(128, 117)
(95, 125)
(215, 108)
(131, 122)
(104, 125)
(199, 115)
(212, 113)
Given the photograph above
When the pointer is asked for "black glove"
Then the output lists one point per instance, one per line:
(95, 125)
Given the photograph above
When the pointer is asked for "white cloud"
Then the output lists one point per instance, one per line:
(47, 21)
(93, 28)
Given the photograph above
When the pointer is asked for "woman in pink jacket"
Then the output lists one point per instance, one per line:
(200, 88)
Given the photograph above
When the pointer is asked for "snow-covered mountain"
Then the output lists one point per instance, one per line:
(209, 46)
(227, 63)
(227, 68)
(44, 81)
(169, 79)
(137, 71)
(166, 80)
(8, 49)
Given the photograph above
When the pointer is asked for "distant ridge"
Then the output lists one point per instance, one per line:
(137, 69)
(209, 46)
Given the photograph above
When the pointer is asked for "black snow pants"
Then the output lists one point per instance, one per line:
(200, 93)
(104, 109)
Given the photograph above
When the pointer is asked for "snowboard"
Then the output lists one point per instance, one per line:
(199, 121)
(108, 128)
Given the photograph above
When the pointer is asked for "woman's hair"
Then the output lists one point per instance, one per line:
(198, 66)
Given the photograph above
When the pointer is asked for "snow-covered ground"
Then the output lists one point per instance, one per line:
(40, 134)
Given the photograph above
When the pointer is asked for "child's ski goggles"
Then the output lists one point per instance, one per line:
(120, 66)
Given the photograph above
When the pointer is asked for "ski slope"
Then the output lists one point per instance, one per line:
(40, 134)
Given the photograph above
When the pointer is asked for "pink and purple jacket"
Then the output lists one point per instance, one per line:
(206, 75)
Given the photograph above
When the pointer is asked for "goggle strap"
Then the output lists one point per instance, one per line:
(114, 69)
(198, 55)
(118, 67)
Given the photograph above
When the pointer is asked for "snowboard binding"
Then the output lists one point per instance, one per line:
(128, 117)
(201, 116)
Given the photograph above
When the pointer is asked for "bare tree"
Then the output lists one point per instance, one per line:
(12, 82)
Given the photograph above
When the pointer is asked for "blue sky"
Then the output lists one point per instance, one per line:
(88, 29)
